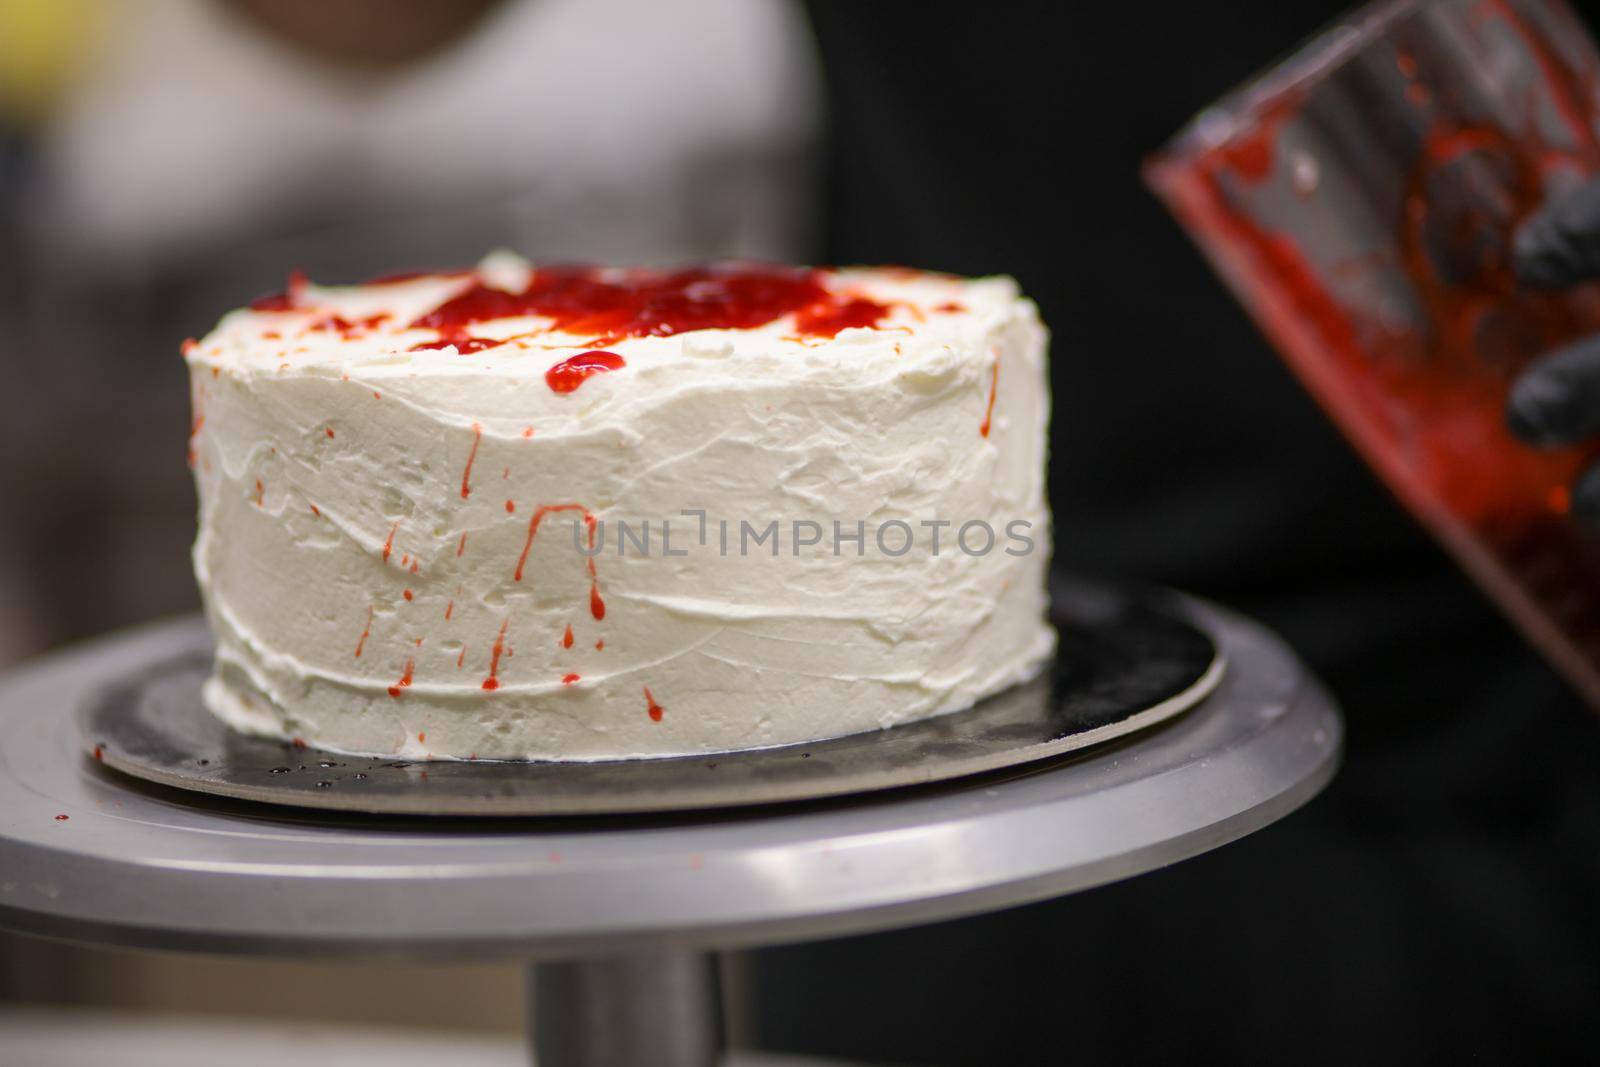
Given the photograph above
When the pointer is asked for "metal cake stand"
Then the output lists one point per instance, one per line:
(622, 914)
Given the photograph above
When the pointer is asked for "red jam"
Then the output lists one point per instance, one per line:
(650, 303)
(463, 345)
(570, 373)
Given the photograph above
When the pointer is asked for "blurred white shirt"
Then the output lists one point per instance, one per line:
(197, 158)
(621, 130)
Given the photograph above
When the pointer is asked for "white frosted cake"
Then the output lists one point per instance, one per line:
(576, 513)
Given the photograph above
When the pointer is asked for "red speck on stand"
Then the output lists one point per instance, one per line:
(566, 638)
(651, 707)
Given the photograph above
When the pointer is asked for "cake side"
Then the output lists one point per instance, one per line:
(401, 485)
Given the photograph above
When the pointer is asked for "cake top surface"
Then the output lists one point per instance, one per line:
(512, 308)
(548, 332)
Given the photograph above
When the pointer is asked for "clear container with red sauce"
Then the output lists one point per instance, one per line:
(1360, 199)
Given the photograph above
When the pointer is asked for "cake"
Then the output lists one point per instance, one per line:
(581, 513)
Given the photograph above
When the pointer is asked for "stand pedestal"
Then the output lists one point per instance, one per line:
(672, 1002)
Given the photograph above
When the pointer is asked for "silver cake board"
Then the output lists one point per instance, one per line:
(1128, 660)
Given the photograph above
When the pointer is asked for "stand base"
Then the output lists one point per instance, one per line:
(89, 854)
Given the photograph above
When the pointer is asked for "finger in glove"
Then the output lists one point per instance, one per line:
(1560, 244)
(1556, 399)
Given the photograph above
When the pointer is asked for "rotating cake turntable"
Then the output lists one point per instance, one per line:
(638, 901)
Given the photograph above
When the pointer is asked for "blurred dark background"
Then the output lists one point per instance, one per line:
(1442, 900)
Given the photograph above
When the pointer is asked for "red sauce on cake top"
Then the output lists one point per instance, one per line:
(614, 304)
(567, 375)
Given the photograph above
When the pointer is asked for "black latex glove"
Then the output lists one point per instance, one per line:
(1555, 401)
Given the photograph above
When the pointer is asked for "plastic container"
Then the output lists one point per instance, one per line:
(1360, 200)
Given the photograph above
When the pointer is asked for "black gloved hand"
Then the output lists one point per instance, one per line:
(1556, 400)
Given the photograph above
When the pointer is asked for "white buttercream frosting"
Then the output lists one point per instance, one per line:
(358, 576)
